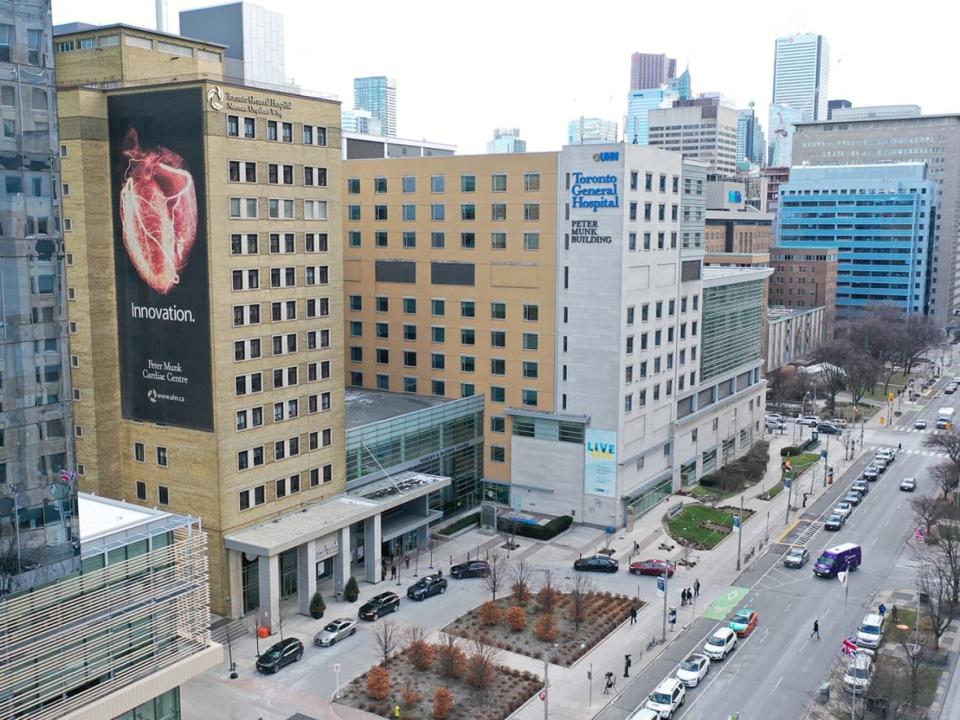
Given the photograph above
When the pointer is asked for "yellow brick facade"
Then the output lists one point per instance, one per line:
(512, 196)
(202, 476)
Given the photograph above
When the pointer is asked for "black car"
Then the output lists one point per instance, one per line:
(597, 563)
(861, 486)
(834, 522)
(427, 586)
(386, 602)
(470, 569)
(280, 654)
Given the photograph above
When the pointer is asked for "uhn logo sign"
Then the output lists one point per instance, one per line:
(608, 156)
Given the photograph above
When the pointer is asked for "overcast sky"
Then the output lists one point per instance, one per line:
(463, 70)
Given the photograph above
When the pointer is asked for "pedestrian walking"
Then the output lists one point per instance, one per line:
(406, 561)
(696, 587)
(883, 609)
(893, 613)
(393, 572)
(636, 547)
(633, 616)
(816, 629)
(689, 596)
(684, 597)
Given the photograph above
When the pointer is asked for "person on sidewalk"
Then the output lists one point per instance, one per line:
(683, 597)
(393, 572)
(882, 609)
(816, 629)
(893, 613)
(406, 561)
(633, 616)
(696, 587)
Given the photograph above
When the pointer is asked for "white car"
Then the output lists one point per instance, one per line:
(908, 484)
(693, 670)
(859, 673)
(668, 696)
(811, 420)
(843, 508)
(720, 644)
(643, 714)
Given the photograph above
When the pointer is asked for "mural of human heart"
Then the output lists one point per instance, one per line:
(158, 212)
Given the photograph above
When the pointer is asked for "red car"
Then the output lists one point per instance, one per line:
(653, 567)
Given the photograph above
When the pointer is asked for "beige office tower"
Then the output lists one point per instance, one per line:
(204, 285)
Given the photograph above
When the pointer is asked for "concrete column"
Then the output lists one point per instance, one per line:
(341, 563)
(306, 574)
(235, 575)
(269, 570)
(423, 537)
(371, 549)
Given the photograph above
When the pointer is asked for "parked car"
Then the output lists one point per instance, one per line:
(861, 486)
(908, 484)
(949, 389)
(880, 462)
(847, 556)
(826, 428)
(796, 557)
(597, 563)
(280, 654)
(470, 569)
(834, 522)
(844, 509)
(693, 669)
(889, 453)
(839, 422)
(859, 673)
(920, 425)
(871, 473)
(720, 644)
(653, 567)
(870, 632)
(385, 602)
(334, 631)
(426, 586)
(668, 696)
(809, 420)
(852, 497)
(774, 417)
(776, 425)
(642, 713)
(745, 622)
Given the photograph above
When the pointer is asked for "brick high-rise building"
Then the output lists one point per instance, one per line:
(649, 70)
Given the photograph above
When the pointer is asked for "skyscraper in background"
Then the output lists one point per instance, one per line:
(801, 74)
(253, 36)
(639, 104)
(681, 85)
(378, 95)
(649, 70)
(39, 531)
(584, 131)
(506, 140)
(782, 126)
(359, 121)
(748, 130)
(837, 105)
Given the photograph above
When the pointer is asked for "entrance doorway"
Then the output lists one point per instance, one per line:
(288, 573)
(251, 583)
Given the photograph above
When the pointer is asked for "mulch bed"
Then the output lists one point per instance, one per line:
(604, 613)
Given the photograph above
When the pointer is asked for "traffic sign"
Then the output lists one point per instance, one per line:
(736, 523)
(543, 695)
(660, 586)
(336, 667)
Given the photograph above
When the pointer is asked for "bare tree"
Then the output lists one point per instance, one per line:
(831, 358)
(934, 582)
(450, 659)
(927, 511)
(419, 649)
(520, 579)
(387, 638)
(547, 595)
(499, 571)
(862, 372)
(948, 442)
(917, 335)
(945, 475)
(482, 665)
(948, 550)
(581, 589)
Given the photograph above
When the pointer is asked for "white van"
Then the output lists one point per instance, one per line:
(870, 632)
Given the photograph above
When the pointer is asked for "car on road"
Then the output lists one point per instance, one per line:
(843, 508)
(871, 473)
(852, 497)
(720, 644)
(920, 425)
(839, 422)
(427, 586)
(470, 569)
(826, 428)
(908, 484)
(653, 567)
(870, 632)
(796, 557)
(597, 563)
(334, 631)
(774, 417)
(809, 420)
(949, 389)
(776, 425)
(745, 622)
(834, 522)
(880, 462)
(693, 669)
(641, 713)
(857, 677)
(669, 695)
(385, 602)
(280, 654)
(861, 486)
(847, 556)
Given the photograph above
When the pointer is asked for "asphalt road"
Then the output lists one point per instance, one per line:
(776, 672)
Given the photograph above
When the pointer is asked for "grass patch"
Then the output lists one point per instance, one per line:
(800, 463)
(771, 493)
(897, 381)
(464, 522)
(686, 526)
(700, 492)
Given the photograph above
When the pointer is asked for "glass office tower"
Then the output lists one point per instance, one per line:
(39, 537)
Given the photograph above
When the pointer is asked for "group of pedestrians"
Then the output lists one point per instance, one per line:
(394, 564)
(688, 594)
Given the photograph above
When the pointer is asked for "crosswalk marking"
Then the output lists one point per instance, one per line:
(911, 451)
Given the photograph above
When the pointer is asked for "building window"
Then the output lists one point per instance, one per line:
(438, 387)
(498, 424)
(162, 456)
(409, 212)
(468, 183)
(531, 212)
(531, 182)
(141, 490)
(531, 313)
(531, 241)
(438, 212)
(468, 211)
(498, 241)
(497, 453)
(529, 397)
(498, 311)
(498, 182)
(437, 240)
(498, 393)
(437, 183)
(163, 495)
(138, 452)
(468, 240)
(531, 341)
(408, 184)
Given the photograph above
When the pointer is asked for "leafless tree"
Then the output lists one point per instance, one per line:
(862, 372)
(945, 475)
(520, 578)
(581, 589)
(482, 665)
(927, 511)
(499, 572)
(914, 652)
(947, 442)
(831, 357)
(450, 660)
(948, 550)
(547, 595)
(934, 582)
(418, 647)
(387, 638)
(918, 335)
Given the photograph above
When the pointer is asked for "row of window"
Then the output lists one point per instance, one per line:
(468, 240)
(238, 126)
(278, 243)
(252, 348)
(140, 454)
(438, 183)
(281, 277)
(438, 212)
(438, 361)
(248, 208)
(284, 449)
(468, 336)
(658, 337)
(661, 186)
(659, 365)
(280, 311)
(658, 309)
(468, 308)
(163, 493)
(498, 393)
(648, 211)
(277, 174)
(252, 383)
(291, 485)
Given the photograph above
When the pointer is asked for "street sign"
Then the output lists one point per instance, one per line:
(336, 667)
(660, 586)
(919, 536)
(736, 523)
(787, 482)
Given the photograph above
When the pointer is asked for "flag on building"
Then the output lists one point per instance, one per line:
(850, 646)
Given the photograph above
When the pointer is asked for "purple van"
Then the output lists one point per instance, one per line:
(837, 559)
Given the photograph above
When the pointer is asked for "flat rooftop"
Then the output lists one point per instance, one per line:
(102, 516)
(777, 312)
(370, 406)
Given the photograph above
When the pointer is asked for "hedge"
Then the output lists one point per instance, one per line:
(457, 525)
(537, 532)
(790, 451)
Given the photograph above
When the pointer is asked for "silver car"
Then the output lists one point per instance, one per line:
(335, 630)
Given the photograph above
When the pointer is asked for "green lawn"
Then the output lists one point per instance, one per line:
(898, 381)
(700, 492)
(802, 462)
(772, 492)
(687, 525)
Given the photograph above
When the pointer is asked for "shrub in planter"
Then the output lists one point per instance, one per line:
(789, 451)
(517, 619)
(490, 614)
(546, 628)
(442, 704)
(351, 592)
(317, 606)
(378, 683)
(547, 598)
(410, 696)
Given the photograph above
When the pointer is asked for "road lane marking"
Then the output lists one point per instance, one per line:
(716, 677)
(778, 682)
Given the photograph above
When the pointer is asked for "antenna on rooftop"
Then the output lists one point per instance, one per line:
(161, 15)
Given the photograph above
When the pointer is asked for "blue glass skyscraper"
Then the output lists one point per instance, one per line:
(639, 104)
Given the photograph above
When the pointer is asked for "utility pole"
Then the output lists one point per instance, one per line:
(666, 594)
(740, 534)
(546, 688)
